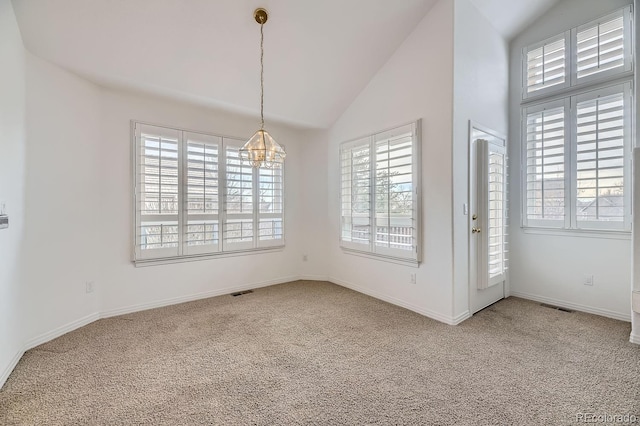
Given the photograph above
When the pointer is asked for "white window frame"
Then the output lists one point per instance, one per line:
(185, 252)
(162, 132)
(570, 222)
(627, 16)
(617, 80)
(571, 62)
(199, 249)
(625, 225)
(414, 255)
(567, 77)
(542, 223)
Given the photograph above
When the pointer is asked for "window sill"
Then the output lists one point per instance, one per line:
(580, 233)
(374, 256)
(141, 263)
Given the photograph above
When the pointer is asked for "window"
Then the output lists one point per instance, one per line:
(603, 47)
(379, 193)
(545, 164)
(577, 135)
(603, 154)
(577, 156)
(591, 52)
(546, 65)
(194, 196)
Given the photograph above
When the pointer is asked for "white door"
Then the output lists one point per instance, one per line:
(487, 227)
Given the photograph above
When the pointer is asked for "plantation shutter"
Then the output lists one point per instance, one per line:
(603, 46)
(379, 207)
(270, 207)
(395, 231)
(194, 196)
(601, 139)
(492, 207)
(545, 135)
(202, 193)
(238, 229)
(157, 192)
(355, 194)
(546, 65)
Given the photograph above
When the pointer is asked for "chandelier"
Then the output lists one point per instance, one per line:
(261, 150)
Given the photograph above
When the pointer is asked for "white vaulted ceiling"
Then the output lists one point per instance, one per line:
(510, 17)
(318, 54)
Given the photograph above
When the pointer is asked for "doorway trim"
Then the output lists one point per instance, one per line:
(478, 126)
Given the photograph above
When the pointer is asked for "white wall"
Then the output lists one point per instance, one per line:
(416, 82)
(66, 157)
(312, 206)
(124, 287)
(63, 212)
(551, 268)
(66, 145)
(12, 170)
(480, 87)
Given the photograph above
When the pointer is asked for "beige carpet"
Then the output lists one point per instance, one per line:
(316, 353)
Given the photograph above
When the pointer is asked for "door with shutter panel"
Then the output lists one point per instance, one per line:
(488, 219)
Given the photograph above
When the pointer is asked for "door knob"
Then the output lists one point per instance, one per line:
(475, 230)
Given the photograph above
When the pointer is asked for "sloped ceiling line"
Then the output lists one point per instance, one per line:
(319, 55)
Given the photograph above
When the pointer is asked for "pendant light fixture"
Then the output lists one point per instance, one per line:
(262, 150)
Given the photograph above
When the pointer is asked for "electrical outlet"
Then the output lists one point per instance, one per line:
(89, 286)
(305, 258)
(412, 279)
(588, 280)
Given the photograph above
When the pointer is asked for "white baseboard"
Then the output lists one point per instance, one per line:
(191, 297)
(9, 368)
(43, 338)
(427, 313)
(74, 325)
(462, 317)
(314, 277)
(634, 338)
(575, 306)
(59, 331)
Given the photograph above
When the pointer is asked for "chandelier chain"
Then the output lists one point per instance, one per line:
(261, 76)
(261, 150)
